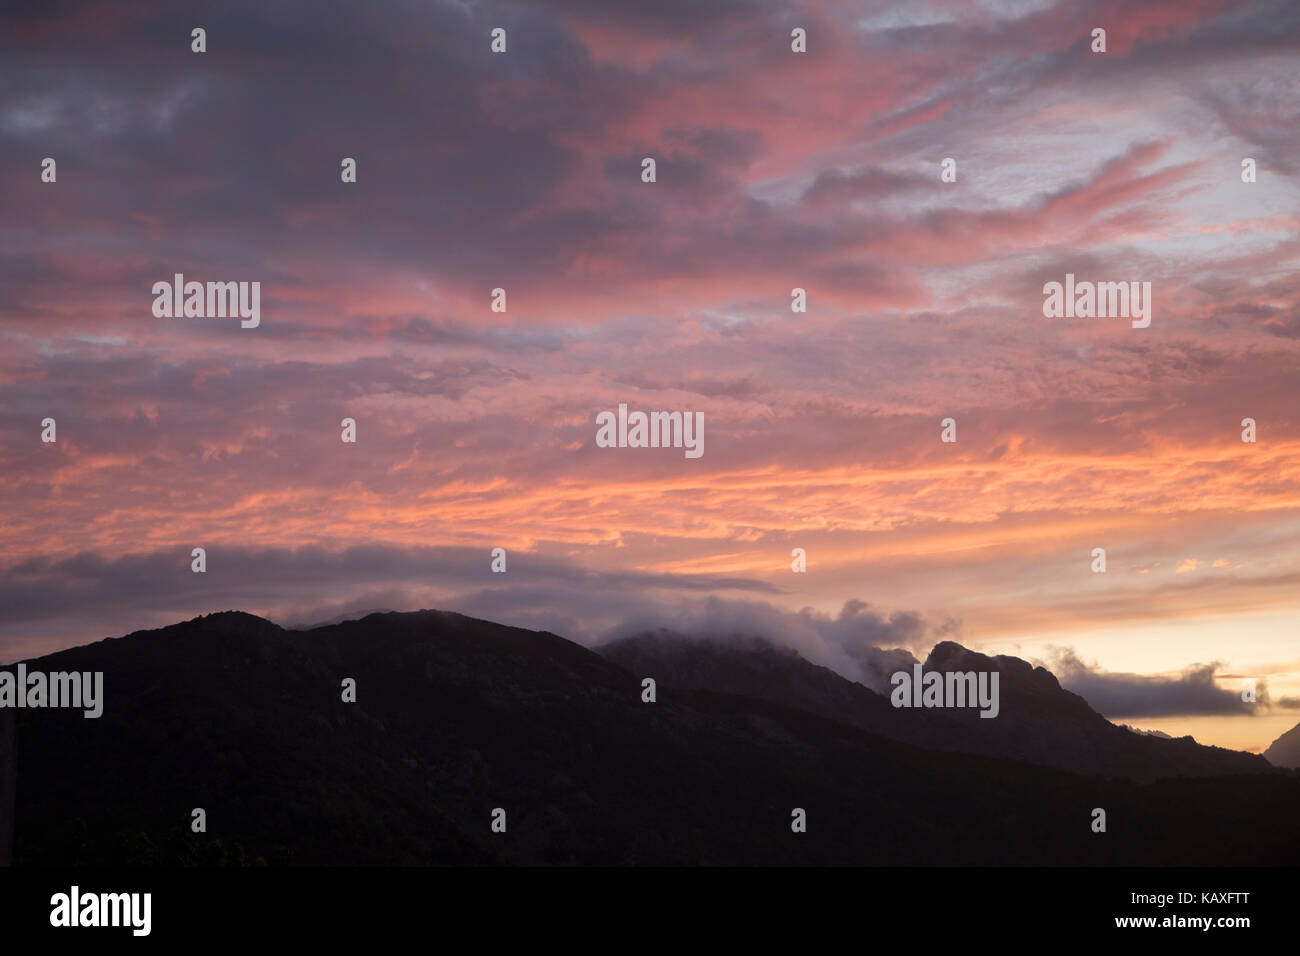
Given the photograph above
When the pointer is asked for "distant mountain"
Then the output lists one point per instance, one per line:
(1150, 733)
(1285, 751)
(1038, 720)
(336, 619)
(455, 717)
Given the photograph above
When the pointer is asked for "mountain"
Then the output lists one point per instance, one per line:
(455, 717)
(338, 619)
(1038, 720)
(8, 779)
(1149, 733)
(1285, 751)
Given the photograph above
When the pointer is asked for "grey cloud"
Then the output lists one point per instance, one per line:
(88, 596)
(859, 642)
(1194, 692)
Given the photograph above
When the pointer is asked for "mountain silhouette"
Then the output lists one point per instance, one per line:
(455, 717)
(1038, 720)
(8, 781)
(1285, 751)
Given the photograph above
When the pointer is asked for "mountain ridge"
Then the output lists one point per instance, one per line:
(1033, 706)
(456, 716)
(1285, 751)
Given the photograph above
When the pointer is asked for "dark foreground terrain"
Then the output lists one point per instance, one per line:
(455, 717)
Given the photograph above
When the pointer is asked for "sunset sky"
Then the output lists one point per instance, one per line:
(775, 170)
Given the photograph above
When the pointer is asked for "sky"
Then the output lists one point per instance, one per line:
(774, 170)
